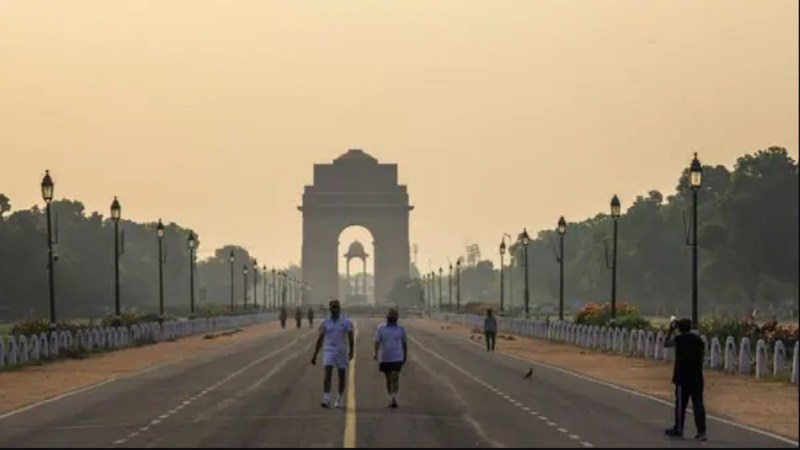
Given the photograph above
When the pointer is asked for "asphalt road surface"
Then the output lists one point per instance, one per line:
(266, 394)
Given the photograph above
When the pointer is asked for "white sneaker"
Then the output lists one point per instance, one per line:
(326, 402)
(338, 403)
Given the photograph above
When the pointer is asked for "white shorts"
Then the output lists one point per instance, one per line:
(339, 360)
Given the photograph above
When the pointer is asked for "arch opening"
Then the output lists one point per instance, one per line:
(356, 266)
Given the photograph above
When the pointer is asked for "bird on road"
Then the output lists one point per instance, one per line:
(529, 374)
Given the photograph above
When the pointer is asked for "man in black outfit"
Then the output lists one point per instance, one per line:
(687, 377)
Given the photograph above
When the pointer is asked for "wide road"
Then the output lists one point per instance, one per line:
(266, 394)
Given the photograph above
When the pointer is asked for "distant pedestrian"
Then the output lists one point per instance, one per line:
(390, 340)
(335, 332)
(687, 377)
(282, 316)
(490, 329)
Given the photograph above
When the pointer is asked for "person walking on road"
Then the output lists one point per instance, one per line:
(282, 316)
(298, 317)
(335, 333)
(490, 329)
(687, 377)
(390, 341)
(310, 316)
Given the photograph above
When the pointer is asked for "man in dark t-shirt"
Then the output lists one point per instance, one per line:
(687, 377)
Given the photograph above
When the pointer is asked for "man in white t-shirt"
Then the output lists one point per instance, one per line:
(390, 340)
(335, 332)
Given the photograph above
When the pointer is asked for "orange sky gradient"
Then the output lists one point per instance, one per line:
(500, 114)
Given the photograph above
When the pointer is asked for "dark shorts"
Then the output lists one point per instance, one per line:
(390, 366)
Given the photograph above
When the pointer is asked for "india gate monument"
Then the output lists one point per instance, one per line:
(355, 189)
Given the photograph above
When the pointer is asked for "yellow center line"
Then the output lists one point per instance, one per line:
(350, 415)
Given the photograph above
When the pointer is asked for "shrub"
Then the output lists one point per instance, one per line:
(600, 315)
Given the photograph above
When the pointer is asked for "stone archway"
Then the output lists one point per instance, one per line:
(355, 190)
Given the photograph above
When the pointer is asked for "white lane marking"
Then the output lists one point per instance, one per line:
(119, 441)
(163, 416)
(574, 436)
(104, 382)
(638, 394)
(586, 444)
(500, 393)
(133, 435)
(231, 376)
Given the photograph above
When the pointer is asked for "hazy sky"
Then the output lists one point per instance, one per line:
(500, 114)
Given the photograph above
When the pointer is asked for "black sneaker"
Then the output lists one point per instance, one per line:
(393, 405)
(700, 437)
(672, 432)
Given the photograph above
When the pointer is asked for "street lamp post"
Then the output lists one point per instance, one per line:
(116, 213)
(525, 241)
(696, 181)
(615, 214)
(244, 286)
(231, 259)
(192, 241)
(458, 284)
(160, 235)
(562, 230)
(450, 288)
(47, 194)
(266, 285)
(255, 284)
(502, 269)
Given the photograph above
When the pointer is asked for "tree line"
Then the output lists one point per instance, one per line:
(748, 249)
(84, 271)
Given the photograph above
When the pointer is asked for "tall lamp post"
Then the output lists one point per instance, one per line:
(160, 235)
(525, 239)
(616, 211)
(47, 194)
(502, 269)
(696, 181)
(192, 242)
(255, 284)
(458, 284)
(561, 230)
(231, 259)
(116, 213)
(265, 286)
(244, 286)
